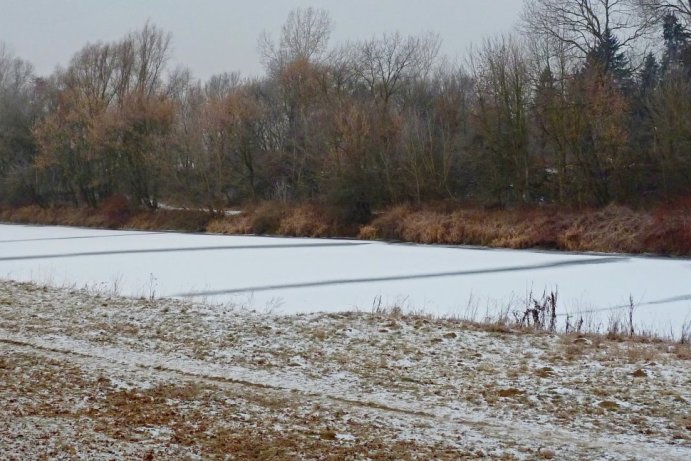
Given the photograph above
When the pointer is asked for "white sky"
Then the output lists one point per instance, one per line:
(213, 36)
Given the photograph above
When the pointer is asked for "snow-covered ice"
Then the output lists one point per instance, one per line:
(291, 275)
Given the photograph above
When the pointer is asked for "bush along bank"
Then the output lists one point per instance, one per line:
(663, 230)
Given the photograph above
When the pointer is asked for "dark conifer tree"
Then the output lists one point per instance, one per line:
(675, 36)
(649, 76)
(677, 55)
(610, 59)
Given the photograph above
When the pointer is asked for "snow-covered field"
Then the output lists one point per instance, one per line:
(97, 377)
(305, 275)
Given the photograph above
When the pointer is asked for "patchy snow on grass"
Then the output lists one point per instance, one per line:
(92, 373)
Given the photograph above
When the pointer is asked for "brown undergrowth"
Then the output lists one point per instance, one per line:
(109, 218)
(663, 229)
(304, 220)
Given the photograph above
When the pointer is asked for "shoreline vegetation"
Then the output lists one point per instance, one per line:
(661, 230)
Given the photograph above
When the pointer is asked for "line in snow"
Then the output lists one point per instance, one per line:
(174, 250)
(132, 234)
(674, 299)
(394, 278)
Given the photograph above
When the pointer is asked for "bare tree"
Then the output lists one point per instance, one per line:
(221, 85)
(551, 68)
(304, 36)
(658, 8)
(18, 111)
(90, 76)
(15, 73)
(388, 63)
(152, 48)
(141, 59)
(583, 25)
(108, 132)
(671, 117)
(503, 89)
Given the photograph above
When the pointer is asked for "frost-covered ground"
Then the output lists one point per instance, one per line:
(92, 376)
(305, 275)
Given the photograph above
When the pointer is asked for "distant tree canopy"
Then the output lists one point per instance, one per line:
(576, 110)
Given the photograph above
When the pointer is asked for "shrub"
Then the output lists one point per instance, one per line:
(264, 218)
(368, 232)
(390, 224)
(307, 221)
(116, 210)
(182, 220)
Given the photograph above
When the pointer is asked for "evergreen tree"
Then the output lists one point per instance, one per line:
(641, 126)
(649, 76)
(608, 58)
(677, 48)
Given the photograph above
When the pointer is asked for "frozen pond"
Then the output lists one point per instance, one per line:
(301, 275)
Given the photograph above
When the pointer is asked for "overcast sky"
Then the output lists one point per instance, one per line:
(213, 36)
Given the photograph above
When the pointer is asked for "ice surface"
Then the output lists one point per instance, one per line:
(287, 275)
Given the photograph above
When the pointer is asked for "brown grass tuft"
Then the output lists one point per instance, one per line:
(302, 220)
(116, 211)
(182, 220)
(390, 224)
(307, 221)
(264, 218)
(368, 232)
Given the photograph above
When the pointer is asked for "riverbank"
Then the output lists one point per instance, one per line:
(661, 230)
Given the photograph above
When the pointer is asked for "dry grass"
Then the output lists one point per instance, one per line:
(303, 220)
(199, 421)
(114, 214)
(307, 221)
(180, 220)
(369, 385)
(68, 216)
(184, 420)
(264, 218)
(664, 229)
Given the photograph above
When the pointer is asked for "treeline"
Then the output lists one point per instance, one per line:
(589, 104)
